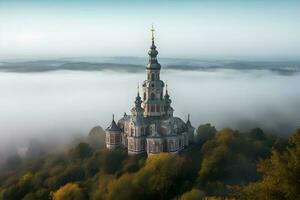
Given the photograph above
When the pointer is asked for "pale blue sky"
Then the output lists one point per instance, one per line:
(193, 29)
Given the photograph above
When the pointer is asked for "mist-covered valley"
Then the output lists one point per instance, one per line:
(54, 106)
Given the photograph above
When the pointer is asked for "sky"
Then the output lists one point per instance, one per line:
(219, 29)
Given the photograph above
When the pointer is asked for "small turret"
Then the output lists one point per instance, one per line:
(190, 130)
(138, 99)
(137, 110)
(168, 101)
(113, 135)
(168, 109)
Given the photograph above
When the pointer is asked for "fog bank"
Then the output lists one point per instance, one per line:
(58, 105)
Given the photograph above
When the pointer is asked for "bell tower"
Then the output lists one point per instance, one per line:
(153, 101)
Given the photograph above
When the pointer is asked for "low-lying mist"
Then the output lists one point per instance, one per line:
(56, 106)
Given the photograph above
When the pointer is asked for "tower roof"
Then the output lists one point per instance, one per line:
(167, 96)
(138, 99)
(188, 122)
(113, 126)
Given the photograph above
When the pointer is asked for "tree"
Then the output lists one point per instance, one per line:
(205, 132)
(124, 188)
(70, 191)
(111, 161)
(281, 175)
(160, 178)
(257, 134)
(162, 175)
(12, 162)
(19, 190)
(230, 158)
(81, 151)
(194, 194)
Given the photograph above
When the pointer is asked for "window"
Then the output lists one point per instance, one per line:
(156, 147)
(142, 130)
(118, 139)
(112, 139)
(131, 145)
(151, 147)
(157, 108)
(152, 108)
(152, 76)
(152, 96)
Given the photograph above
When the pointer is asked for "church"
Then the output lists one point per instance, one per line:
(151, 128)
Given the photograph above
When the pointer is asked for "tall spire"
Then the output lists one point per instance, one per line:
(167, 92)
(153, 63)
(188, 122)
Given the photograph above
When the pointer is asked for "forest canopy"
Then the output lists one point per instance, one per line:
(221, 163)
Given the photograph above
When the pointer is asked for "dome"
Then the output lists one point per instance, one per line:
(153, 66)
(152, 52)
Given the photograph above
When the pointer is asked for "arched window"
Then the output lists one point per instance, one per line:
(152, 76)
(152, 96)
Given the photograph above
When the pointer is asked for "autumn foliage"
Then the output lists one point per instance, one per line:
(220, 164)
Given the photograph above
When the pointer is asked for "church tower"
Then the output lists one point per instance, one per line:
(151, 127)
(153, 98)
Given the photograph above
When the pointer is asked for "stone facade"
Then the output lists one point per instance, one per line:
(151, 128)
